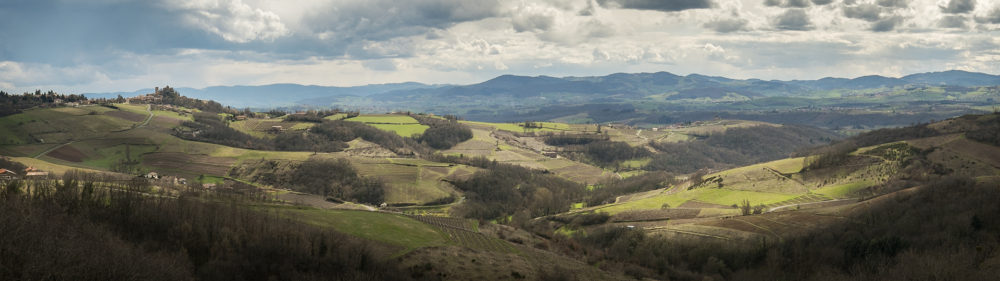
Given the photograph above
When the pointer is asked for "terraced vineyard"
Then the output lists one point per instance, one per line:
(465, 233)
(807, 198)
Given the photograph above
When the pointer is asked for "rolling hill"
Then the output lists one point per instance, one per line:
(494, 206)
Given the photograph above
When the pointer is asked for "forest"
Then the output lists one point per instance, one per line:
(736, 147)
(504, 190)
(443, 133)
(53, 230)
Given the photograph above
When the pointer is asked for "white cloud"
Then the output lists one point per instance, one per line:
(233, 20)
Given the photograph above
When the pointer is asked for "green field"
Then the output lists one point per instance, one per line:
(518, 127)
(402, 125)
(408, 130)
(384, 119)
(723, 197)
(387, 228)
(842, 190)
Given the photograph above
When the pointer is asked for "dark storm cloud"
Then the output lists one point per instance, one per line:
(952, 22)
(793, 19)
(959, 6)
(822, 2)
(791, 3)
(727, 25)
(386, 19)
(893, 3)
(63, 33)
(887, 24)
(658, 5)
(868, 12)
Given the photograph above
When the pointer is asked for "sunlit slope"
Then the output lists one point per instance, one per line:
(100, 138)
(797, 198)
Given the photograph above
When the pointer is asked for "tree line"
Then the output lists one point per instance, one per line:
(14, 104)
(327, 136)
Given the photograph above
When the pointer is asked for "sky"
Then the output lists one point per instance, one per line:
(78, 46)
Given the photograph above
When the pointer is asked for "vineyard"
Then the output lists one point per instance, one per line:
(465, 233)
(807, 198)
(655, 215)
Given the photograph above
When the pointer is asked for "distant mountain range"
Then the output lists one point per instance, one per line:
(512, 89)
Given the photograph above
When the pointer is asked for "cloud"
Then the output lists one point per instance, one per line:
(887, 24)
(992, 17)
(793, 19)
(792, 3)
(959, 6)
(956, 21)
(18, 74)
(533, 18)
(867, 12)
(658, 5)
(386, 19)
(893, 3)
(231, 19)
(822, 2)
(727, 25)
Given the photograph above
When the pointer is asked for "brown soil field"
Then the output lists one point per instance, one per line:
(130, 116)
(314, 201)
(68, 153)
(650, 215)
(194, 164)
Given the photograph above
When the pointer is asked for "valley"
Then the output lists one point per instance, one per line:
(530, 196)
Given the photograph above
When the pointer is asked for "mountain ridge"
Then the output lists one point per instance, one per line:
(574, 88)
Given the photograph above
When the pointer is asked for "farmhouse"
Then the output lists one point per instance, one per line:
(173, 180)
(6, 175)
(31, 172)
